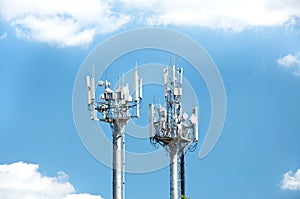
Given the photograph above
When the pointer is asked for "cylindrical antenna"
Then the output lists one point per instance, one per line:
(173, 74)
(195, 112)
(136, 84)
(180, 76)
(141, 88)
(88, 90)
(93, 84)
(137, 110)
(92, 89)
(166, 78)
(166, 75)
(151, 107)
(173, 81)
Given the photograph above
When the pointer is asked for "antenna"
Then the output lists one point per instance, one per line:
(166, 75)
(173, 80)
(180, 76)
(116, 108)
(194, 121)
(151, 107)
(88, 90)
(141, 88)
(171, 129)
(136, 83)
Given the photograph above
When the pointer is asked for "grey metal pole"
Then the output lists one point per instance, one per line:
(117, 163)
(174, 175)
(123, 166)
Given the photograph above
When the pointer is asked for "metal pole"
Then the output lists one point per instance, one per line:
(182, 175)
(117, 165)
(174, 175)
(123, 166)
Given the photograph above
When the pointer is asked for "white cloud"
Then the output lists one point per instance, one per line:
(24, 181)
(62, 23)
(234, 15)
(77, 22)
(293, 26)
(291, 62)
(291, 181)
(3, 36)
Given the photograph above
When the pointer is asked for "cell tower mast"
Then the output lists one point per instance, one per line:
(172, 129)
(116, 108)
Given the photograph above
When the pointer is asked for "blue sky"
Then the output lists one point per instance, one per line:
(256, 47)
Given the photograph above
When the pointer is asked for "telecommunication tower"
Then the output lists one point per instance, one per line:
(172, 129)
(116, 108)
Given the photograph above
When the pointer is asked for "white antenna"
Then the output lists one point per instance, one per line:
(93, 89)
(173, 75)
(141, 88)
(137, 110)
(151, 107)
(180, 76)
(166, 75)
(90, 87)
(195, 123)
(88, 90)
(166, 79)
(136, 84)
(92, 83)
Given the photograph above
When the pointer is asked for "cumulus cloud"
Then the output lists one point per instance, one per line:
(77, 22)
(291, 181)
(234, 15)
(62, 23)
(291, 62)
(23, 181)
(3, 36)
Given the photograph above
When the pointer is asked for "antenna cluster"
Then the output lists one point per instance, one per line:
(169, 124)
(114, 105)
